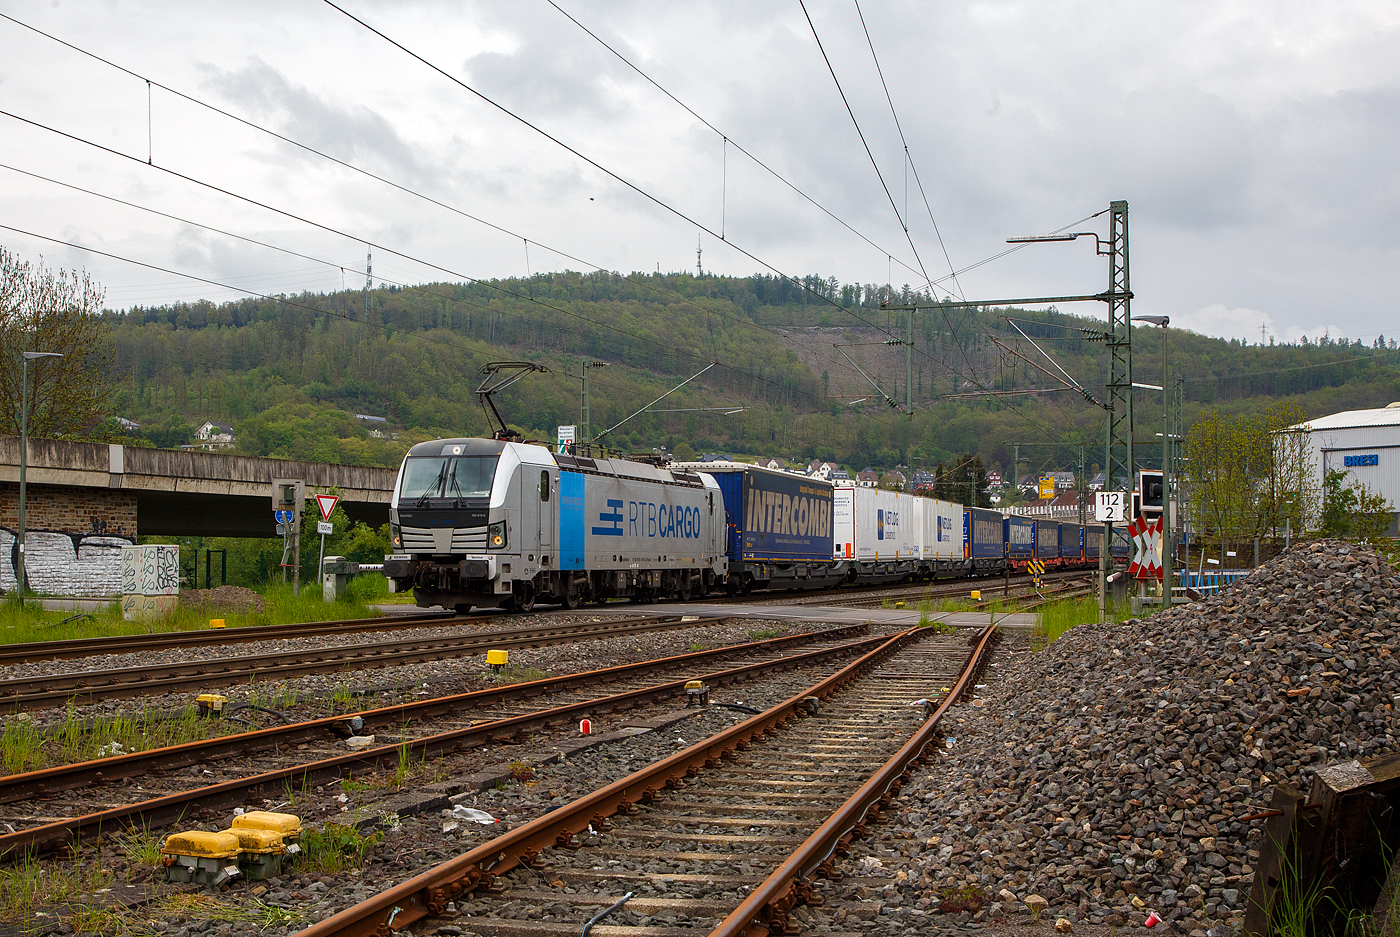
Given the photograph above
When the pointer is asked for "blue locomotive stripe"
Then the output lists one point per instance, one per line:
(571, 520)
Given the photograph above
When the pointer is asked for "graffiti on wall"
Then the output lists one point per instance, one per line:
(65, 562)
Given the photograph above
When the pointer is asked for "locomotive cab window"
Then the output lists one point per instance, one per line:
(425, 478)
(544, 486)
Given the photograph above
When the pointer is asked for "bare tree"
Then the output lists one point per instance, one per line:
(44, 310)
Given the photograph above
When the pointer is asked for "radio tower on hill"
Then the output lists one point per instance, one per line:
(699, 271)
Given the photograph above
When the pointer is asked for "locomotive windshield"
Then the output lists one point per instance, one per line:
(454, 477)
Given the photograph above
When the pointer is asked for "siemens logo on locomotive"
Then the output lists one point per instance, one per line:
(648, 519)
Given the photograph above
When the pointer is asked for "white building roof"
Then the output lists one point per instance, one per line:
(1351, 419)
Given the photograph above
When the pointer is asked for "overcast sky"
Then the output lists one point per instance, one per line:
(1256, 143)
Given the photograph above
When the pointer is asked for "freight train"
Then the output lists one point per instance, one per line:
(493, 522)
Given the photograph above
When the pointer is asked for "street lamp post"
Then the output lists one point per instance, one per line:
(21, 573)
(1168, 547)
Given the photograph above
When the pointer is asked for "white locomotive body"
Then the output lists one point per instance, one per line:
(492, 522)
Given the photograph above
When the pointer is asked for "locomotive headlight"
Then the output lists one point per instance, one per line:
(496, 535)
(395, 537)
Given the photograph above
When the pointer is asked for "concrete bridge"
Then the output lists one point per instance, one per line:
(95, 497)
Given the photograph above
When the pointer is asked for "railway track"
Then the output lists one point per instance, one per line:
(71, 648)
(916, 594)
(38, 692)
(776, 795)
(269, 761)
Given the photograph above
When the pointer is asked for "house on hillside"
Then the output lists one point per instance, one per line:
(211, 435)
(922, 478)
(827, 471)
(893, 479)
(1064, 507)
(993, 480)
(867, 478)
(771, 463)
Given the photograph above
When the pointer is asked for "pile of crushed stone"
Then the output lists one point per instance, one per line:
(1108, 774)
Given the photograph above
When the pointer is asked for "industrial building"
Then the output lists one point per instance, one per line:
(1363, 443)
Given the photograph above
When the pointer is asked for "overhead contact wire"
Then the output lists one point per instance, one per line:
(370, 175)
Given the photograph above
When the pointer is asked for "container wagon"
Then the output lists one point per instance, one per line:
(1046, 546)
(984, 542)
(778, 532)
(941, 554)
(1019, 536)
(1093, 543)
(877, 533)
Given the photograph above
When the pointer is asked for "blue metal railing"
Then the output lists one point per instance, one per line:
(1209, 582)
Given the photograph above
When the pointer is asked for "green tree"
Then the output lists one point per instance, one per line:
(1353, 510)
(170, 433)
(1338, 504)
(1246, 473)
(44, 310)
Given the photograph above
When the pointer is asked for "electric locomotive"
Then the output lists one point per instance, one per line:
(491, 522)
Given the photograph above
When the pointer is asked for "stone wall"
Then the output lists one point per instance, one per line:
(73, 537)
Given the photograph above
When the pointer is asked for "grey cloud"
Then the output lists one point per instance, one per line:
(358, 134)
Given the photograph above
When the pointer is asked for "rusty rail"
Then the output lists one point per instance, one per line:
(428, 893)
(162, 810)
(44, 781)
(69, 648)
(79, 686)
(767, 908)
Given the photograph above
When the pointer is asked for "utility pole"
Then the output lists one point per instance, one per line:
(1118, 444)
(909, 371)
(585, 415)
(1083, 491)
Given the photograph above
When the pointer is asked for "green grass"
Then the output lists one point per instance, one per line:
(32, 885)
(141, 846)
(518, 673)
(32, 623)
(765, 634)
(21, 745)
(334, 848)
(26, 746)
(1058, 617)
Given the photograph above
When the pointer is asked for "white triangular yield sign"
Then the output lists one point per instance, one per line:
(327, 504)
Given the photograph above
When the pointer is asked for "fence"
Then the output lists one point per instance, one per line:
(1209, 582)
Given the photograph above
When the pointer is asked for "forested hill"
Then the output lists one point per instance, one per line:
(290, 375)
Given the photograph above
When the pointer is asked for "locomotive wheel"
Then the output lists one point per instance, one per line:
(463, 609)
(731, 585)
(571, 600)
(684, 593)
(525, 599)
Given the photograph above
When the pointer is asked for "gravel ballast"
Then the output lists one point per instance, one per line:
(1107, 773)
